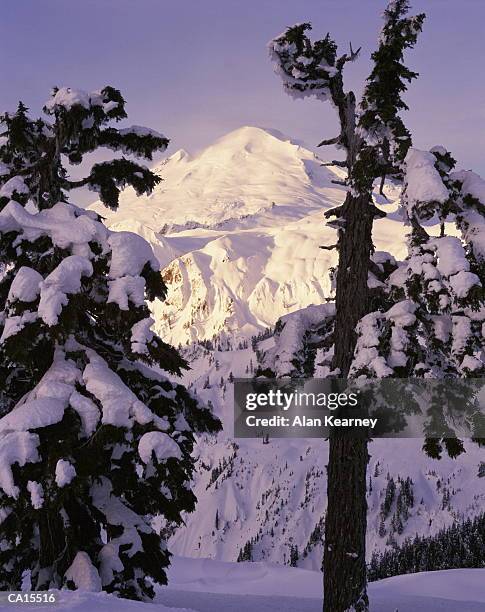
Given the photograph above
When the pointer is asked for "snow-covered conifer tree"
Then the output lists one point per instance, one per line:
(425, 315)
(431, 316)
(94, 438)
(374, 322)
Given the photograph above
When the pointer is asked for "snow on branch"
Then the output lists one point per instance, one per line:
(423, 185)
(296, 336)
(471, 218)
(135, 140)
(306, 68)
(87, 413)
(77, 231)
(107, 101)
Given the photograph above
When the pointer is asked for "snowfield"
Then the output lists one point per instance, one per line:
(202, 585)
(261, 587)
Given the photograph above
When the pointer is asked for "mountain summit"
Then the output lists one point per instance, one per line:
(242, 173)
(237, 229)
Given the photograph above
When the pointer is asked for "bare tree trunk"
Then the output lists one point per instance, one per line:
(345, 582)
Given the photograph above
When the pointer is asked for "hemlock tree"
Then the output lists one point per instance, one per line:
(435, 296)
(94, 439)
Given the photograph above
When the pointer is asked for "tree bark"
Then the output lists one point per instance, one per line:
(345, 582)
(344, 566)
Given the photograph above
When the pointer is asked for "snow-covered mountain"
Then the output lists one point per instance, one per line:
(237, 230)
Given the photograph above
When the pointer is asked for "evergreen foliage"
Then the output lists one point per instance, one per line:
(246, 552)
(95, 439)
(382, 127)
(294, 555)
(373, 136)
(430, 307)
(316, 536)
(461, 545)
(388, 498)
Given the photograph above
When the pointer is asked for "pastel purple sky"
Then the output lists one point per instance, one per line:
(196, 69)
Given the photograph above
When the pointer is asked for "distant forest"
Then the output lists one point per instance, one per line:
(458, 546)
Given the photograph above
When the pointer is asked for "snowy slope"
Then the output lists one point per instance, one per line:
(301, 590)
(205, 586)
(238, 230)
(79, 601)
(275, 494)
(243, 173)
